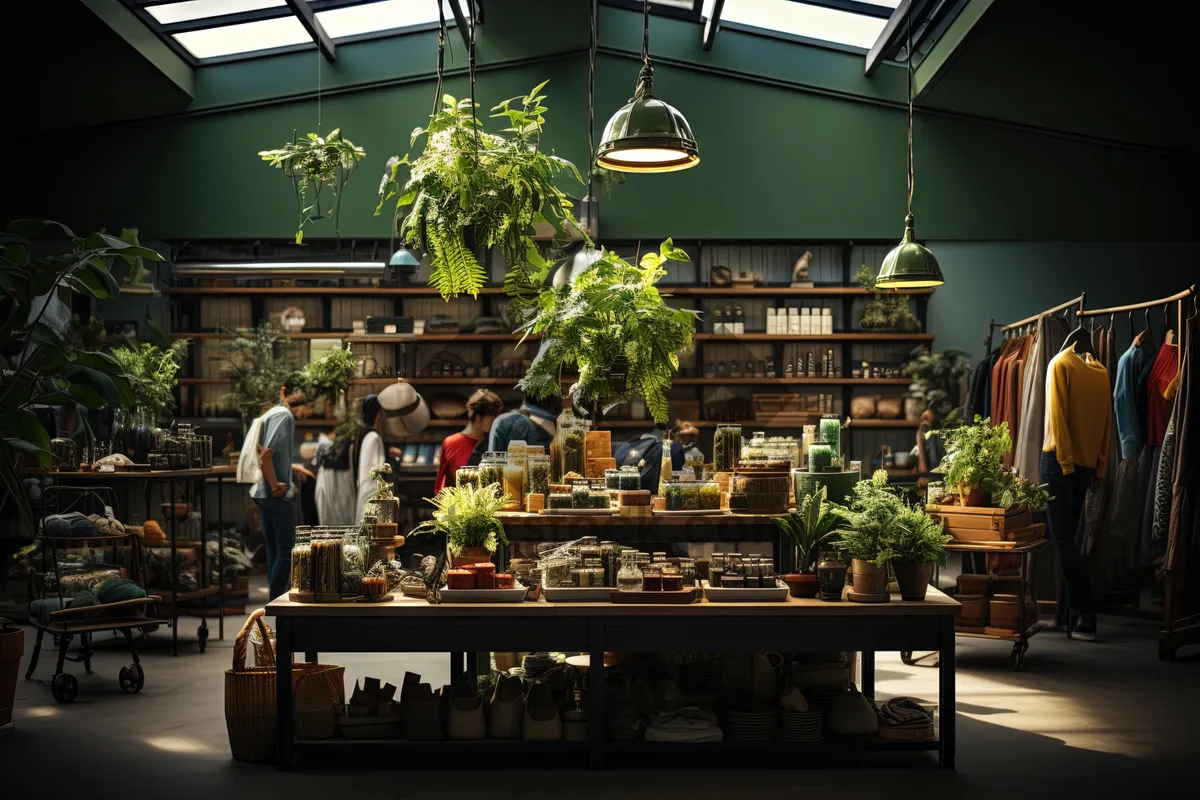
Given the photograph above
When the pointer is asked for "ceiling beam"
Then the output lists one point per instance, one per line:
(311, 24)
(713, 24)
(945, 52)
(892, 40)
(125, 24)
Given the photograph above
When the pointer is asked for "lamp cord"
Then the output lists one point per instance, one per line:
(591, 95)
(911, 172)
(471, 73)
(319, 59)
(645, 84)
(441, 58)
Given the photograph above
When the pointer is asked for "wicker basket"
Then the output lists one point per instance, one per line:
(766, 492)
(250, 708)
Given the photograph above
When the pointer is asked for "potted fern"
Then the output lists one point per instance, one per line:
(973, 459)
(470, 189)
(809, 528)
(873, 514)
(913, 544)
(313, 163)
(468, 516)
(611, 323)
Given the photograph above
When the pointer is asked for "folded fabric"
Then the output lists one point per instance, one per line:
(688, 724)
(72, 524)
(904, 712)
(118, 590)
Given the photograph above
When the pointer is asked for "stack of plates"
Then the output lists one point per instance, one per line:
(822, 697)
(801, 726)
(750, 726)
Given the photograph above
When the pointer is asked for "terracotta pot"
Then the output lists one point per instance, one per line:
(868, 578)
(912, 579)
(471, 555)
(974, 497)
(802, 584)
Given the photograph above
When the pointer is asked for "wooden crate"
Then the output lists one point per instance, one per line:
(991, 526)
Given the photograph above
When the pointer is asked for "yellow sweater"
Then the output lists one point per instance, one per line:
(1078, 412)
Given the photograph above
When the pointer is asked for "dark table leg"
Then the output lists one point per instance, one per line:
(597, 733)
(283, 694)
(868, 674)
(174, 569)
(310, 657)
(220, 553)
(946, 705)
(458, 662)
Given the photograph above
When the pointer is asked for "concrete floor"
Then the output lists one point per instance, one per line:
(1093, 720)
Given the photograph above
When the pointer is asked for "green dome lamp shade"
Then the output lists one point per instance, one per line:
(909, 265)
(646, 134)
(404, 258)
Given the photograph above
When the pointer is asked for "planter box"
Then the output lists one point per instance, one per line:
(975, 525)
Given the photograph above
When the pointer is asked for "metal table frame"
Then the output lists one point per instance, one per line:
(407, 625)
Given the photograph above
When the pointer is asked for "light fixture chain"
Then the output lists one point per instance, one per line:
(441, 57)
(911, 172)
(591, 95)
(320, 58)
(471, 73)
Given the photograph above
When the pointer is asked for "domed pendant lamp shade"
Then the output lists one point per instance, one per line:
(646, 134)
(909, 265)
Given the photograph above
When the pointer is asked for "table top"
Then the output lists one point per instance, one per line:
(142, 474)
(616, 520)
(936, 603)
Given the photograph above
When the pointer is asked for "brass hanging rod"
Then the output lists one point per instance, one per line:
(1078, 301)
(1096, 312)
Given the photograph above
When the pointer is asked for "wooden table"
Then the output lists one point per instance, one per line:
(178, 600)
(409, 625)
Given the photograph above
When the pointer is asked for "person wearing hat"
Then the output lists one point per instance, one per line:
(482, 410)
(395, 412)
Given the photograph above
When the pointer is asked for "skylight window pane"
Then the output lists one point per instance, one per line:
(244, 38)
(200, 9)
(811, 22)
(888, 3)
(382, 16)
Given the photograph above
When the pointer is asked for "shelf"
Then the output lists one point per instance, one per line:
(437, 381)
(786, 291)
(397, 338)
(792, 381)
(236, 334)
(829, 337)
(1036, 627)
(389, 291)
(885, 423)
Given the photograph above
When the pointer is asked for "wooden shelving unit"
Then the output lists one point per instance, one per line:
(828, 337)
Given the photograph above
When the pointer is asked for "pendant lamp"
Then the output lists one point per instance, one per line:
(646, 134)
(404, 258)
(909, 265)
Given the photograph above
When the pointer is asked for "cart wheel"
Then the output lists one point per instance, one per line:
(132, 679)
(64, 687)
(1017, 658)
(202, 635)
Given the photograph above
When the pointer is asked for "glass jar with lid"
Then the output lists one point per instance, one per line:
(491, 469)
(612, 479)
(629, 479)
(537, 473)
(727, 447)
(466, 476)
(831, 434)
(64, 452)
(301, 561)
(629, 578)
(567, 451)
(755, 448)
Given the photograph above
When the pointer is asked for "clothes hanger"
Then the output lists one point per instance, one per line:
(1132, 332)
(1079, 341)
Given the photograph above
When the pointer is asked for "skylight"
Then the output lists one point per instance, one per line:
(381, 16)
(810, 21)
(247, 37)
(200, 9)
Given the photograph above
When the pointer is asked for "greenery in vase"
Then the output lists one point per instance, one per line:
(873, 513)
(811, 526)
(152, 372)
(937, 380)
(313, 163)
(974, 453)
(330, 375)
(608, 322)
(497, 186)
(915, 539)
(38, 364)
(885, 309)
(260, 366)
(467, 514)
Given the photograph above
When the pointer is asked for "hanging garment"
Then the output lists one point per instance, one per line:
(1181, 541)
(1078, 413)
(1129, 395)
(1162, 485)
(1148, 465)
(1052, 332)
(997, 385)
(1012, 392)
(1158, 412)
(1069, 493)
(981, 387)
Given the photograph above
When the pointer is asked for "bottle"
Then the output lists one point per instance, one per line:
(739, 321)
(806, 322)
(827, 321)
(834, 372)
(729, 322)
(787, 371)
(811, 369)
(793, 321)
(629, 579)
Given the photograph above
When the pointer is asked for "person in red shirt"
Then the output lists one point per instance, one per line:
(482, 410)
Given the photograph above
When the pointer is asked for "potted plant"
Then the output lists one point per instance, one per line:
(809, 528)
(937, 380)
(885, 310)
(1009, 490)
(259, 366)
(912, 545)
(973, 458)
(496, 187)
(152, 372)
(467, 515)
(329, 377)
(312, 163)
(611, 323)
(873, 513)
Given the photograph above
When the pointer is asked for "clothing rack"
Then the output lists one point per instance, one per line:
(1076, 303)
(1178, 297)
(987, 343)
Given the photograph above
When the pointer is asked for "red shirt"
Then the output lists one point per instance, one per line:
(456, 452)
(1166, 367)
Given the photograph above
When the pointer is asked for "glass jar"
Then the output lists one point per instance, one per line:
(652, 579)
(514, 480)
(491, 469)
(119, 435)
(672, 579)
(466, 476)
(629, 479)
(733, 564)
(64, 453)
(672, 493)
(687, 568)
(581, 494)
(610, 558)
(612, 479)
(831, 575)
(556, 571)
(560, 500)
(537, 473)
(820, 457)
(727, 447)
(755, 448)
(301, 563)
(710, 494)
(629, 578)
(599, 498)
(142, 439)
(831, 434)
(567, 449)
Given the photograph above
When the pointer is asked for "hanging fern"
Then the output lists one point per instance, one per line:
(496, 186)
(612, 312)
(312, 163)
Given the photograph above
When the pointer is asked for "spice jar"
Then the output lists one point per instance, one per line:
(612, 479)
(537, 473)
(652, 579)
(629, 479)
(491, 469)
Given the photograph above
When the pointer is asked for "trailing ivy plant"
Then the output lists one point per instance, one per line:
(495, 186)
(885, 309)
(152, 373)
(38, 365)
(611, 321)
(313, 163)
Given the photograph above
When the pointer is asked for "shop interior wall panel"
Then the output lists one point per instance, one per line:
(314, 316)
(233, 313)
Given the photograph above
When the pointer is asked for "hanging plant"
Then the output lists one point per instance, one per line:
(611, 320)
(493, 185)
(313, 163)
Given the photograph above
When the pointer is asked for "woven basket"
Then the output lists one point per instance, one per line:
(250, 708)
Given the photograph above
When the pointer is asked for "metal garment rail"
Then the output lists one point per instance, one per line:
(1077, 303)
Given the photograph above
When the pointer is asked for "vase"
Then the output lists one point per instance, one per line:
(913, 579)
(802, 584)
(471, 555)
(852, 716)
(975, 496)
(867, 577)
